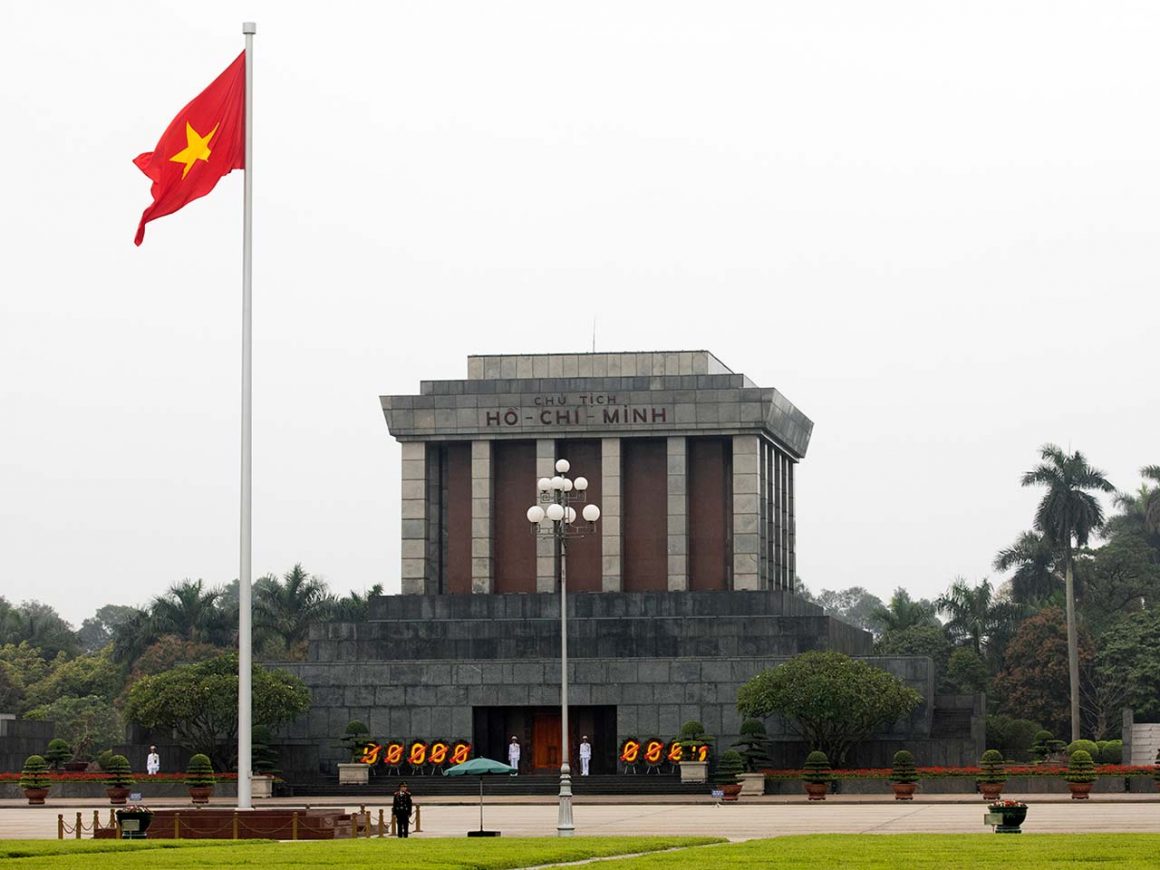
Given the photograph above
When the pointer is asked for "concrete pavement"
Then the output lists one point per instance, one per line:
(760, 817)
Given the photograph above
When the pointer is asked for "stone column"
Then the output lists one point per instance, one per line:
(545, 546)
(413, 570)
(678, 547)
(481, 579)
(610, 514)
(746, 492)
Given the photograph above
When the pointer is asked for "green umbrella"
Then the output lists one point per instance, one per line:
(479, 767)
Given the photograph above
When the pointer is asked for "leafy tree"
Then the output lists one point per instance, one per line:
(1067, 516)
(191, 611)
(169, 651)
(1129, 658)
(967, 672)
(1121, 577)
(132, 636)
(23, 667)
(86, 723)
(854, 605)
(41, 627)
(903, 612)
(200, 703)
(1013, 737)
(975, 613)
(1034, 682)
(831, 700)
(97, 630)
(919, 640)
(1035, 581)
(284, 612)
(85, 675)
(355, 606)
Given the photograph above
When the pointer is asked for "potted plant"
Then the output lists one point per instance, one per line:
(994, 774)
(729, 769)
(134, 821)
(58, 753)
(354, 740)
(754, 749)
(903, 776)
(264, 762)
(694, 764)
(200, 779)
(1008, 816)
(118, 778)
(1081, 773)
(816, 775)
(34, 780)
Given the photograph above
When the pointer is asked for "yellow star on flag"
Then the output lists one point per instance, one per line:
(196, 148)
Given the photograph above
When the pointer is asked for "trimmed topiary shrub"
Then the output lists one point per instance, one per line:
(754, 746)
(1080, 767)
(1088, 746)
(1112, 752)
(104, 758)
(355, 738)
(58, 752)
(34, 774)
(118, 772)
(729, 768)
(817, 768)
(903, 769)
(199, 772)
(1040, 748)
(993, 768)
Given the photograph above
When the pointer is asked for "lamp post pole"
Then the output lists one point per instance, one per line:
(554, 517)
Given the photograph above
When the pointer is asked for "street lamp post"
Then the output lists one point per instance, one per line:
(554, 517)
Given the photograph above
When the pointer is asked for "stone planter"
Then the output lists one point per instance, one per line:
(691, 771)
(1079, 790)
(354, 774)
(199, 794)
(262, 786)
(134, 824)
(731, 792)
(36, 796)
(752, 784)
(1007, 820)
(118, 794)
(816, 790)
(903, 791)
(991, 791)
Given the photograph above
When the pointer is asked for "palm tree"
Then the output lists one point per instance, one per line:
(904, 612)
(353, 607)
(1035, 580)
(1066, 517)
(286, 609)
(1139, 511)
(191, 611)
(975, 613)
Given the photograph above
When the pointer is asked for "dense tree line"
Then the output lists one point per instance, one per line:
(84, 679)
(1071, 637)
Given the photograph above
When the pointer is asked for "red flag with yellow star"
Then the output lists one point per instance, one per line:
(205, 141)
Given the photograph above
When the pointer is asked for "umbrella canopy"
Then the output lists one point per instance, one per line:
(478, 767)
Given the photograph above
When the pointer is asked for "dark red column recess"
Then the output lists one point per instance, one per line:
(584, 554)
(645, 523)
(708, 470)
(513, 492)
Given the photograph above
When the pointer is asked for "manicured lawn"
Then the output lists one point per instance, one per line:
(893, 851)
(422, 854)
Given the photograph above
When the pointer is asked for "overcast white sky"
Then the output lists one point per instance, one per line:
(932, 225)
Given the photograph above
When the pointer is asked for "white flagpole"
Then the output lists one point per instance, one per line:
(245, 653)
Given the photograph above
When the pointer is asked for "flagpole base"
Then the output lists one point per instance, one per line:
(564, 826)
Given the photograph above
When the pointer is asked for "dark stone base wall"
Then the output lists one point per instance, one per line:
(604, 625)
(652, 696)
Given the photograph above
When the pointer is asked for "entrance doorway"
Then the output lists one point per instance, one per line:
(538, 731)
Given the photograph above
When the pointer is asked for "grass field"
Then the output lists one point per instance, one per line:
(859, 852)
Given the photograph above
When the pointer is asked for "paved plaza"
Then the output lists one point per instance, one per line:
(762, 817)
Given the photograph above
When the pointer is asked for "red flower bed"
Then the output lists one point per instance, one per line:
(937, 772)
(85, 776)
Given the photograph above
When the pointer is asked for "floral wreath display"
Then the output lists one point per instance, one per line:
(655, 751)
(416, 753)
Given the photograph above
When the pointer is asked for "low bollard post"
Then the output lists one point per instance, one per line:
(418, 819)
(96, 823)
(294, 825)
(235, 832)
(381, 825)
(393, 823)
(60, 826)
(177, 826)
(354, 826)
(80, 825)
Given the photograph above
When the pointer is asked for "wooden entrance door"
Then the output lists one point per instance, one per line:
(546, 756)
